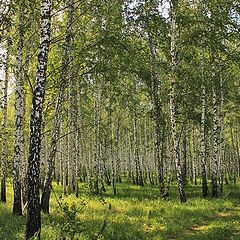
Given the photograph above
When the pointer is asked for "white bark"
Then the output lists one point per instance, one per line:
(4, 127)
(172, 105)
(214, 135)
(33, 224)
(19, 120)
(202, 132)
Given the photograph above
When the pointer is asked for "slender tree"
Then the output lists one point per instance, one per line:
(202, 132)
(58, 110)
(19, 118)
(156, 113)
(214, 131)
(4, 126)
(33, 224)
(222, 140)
(172, 104)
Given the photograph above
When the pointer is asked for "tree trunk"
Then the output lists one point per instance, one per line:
(117, 153)
(53, 148)
(58, 112)
(33, 224)
(112, 149)
(80, 150)
(176, 153)
(71, 140)
(4, 128)
(96, 140)
(214, 136)
(24, 160)
(202, 133)
(194, 157)
(156, 114)
(64, 165)
(139, 175)
(184, 162)
(222, 140)
(19, 118)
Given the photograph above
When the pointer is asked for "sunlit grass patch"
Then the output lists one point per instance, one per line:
(134, 213)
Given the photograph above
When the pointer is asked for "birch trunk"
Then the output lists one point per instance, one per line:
(96, 145)
(222, 141)
(61, 157)
(194, 156)
(65, 150)
(33, 224)
(202, 133)
(24, 160)
(233, 162)
(172, 106)
(70, 163)
(58, 112)
(112, 149)
(79, 138)
(77, 158)
(84, 154)
(117, 153)
(214, 137)
(129, 164)
(156, 115)
(4, 129)
(53, 148)
(19, 118)
(184, 162)
(44, 151)
(139, 175)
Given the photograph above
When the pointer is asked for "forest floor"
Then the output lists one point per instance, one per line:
(135, 213)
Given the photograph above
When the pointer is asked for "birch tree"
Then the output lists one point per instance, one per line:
(4, 125)
(19, 118)
(172, 105)
(214, 131)
(33, 224)
(202, 131)
(58, 110)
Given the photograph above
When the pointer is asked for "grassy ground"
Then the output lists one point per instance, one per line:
(135, 213)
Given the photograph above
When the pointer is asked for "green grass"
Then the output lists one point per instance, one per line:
(135, 213)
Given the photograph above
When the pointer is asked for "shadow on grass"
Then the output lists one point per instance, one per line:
(90, 228)
(11, 226)
(151, 192)
(124, 191)
(218, 227)
(145, 216)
